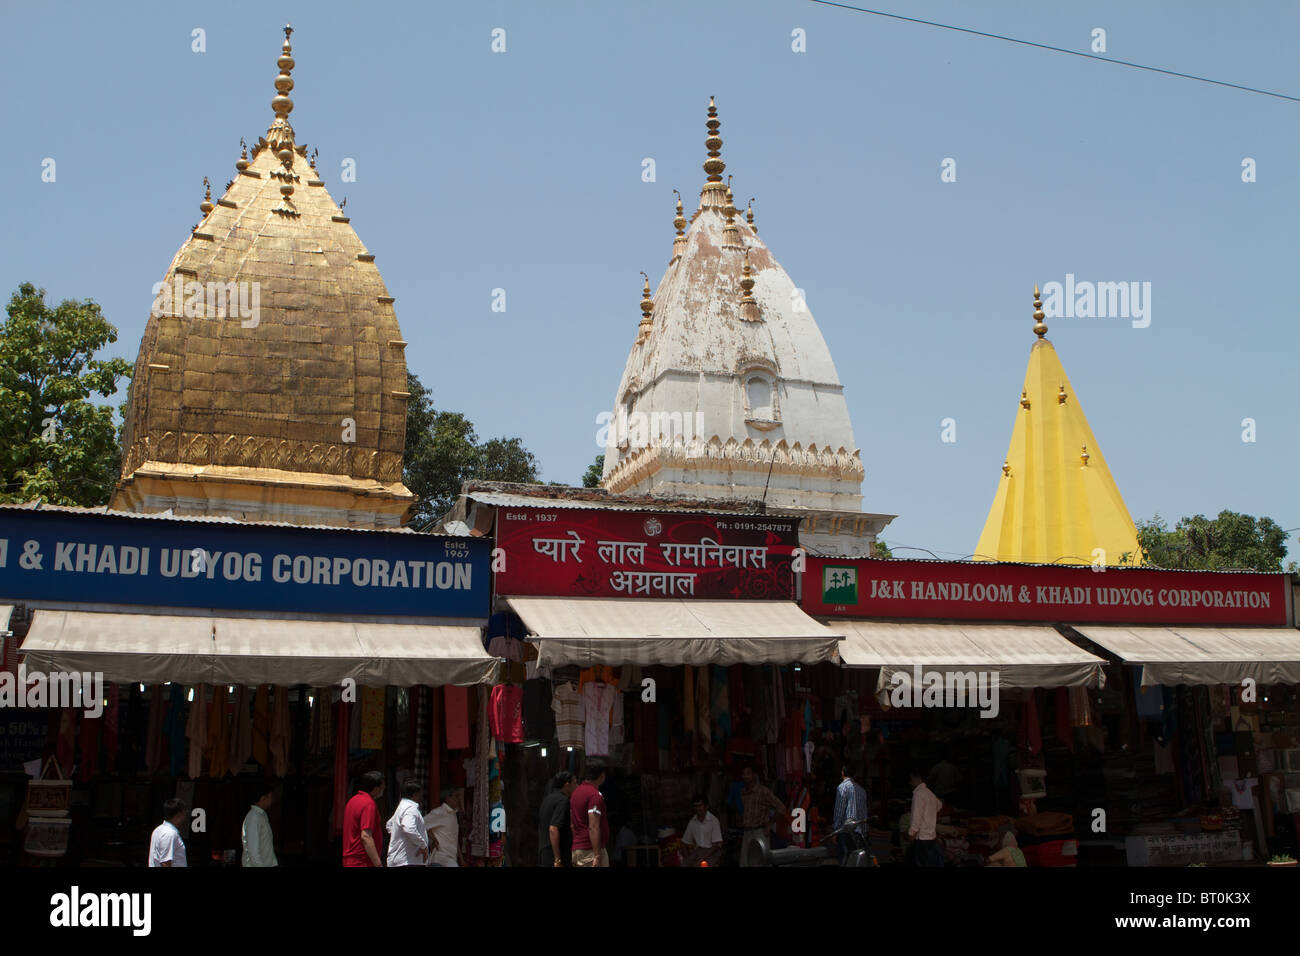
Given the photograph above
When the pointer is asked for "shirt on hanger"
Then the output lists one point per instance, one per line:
(567, 705)
(597, 700)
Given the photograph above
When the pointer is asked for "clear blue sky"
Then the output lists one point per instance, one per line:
(522, 171)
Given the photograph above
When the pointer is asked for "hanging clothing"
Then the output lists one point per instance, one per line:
(341, 780)
(506, 712)
(602, 674)
(420, 755)
(482, 799)
(597, 702)
(219, 733)
(457, 714)
(175, 723)
(279, 743)
(720, 704)
(241, 731)
(372, 718)
(688, 700)
(196, 730)
(566, 703)
(262, 726)
(154, 733)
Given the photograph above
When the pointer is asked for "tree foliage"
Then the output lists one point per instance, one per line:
(591, 477)
(881, 550)
(55, 442)
(443, 451)
(1231, 540)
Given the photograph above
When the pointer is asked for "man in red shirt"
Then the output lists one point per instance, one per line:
(362, 833)
(588, 820)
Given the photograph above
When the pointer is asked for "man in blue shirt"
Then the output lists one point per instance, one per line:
(850, 804)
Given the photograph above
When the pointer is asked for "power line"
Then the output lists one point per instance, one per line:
(1058, 49)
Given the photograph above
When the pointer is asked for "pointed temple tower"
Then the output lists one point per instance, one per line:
(271, 380)
(1056, 500)
(729, 391)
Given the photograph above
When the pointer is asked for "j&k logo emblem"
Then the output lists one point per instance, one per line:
(839, 584)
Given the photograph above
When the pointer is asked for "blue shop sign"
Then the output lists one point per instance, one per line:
(105, 559)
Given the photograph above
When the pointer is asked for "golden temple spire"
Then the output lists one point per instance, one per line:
(1040, 329)
(713, 142)
(730, 231)
(748, 304)
(647, 306)
(206, 206)
(280, 136)
(679, 221)
(242, 163)
(749, 216)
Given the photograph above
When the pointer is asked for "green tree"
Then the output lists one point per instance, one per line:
(881, 550)
(443, 451)
(1231, 540)
(591, 477)
(55, 442)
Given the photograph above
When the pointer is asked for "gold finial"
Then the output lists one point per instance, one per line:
(729, 210)
(1085, 456)
(1024, 400)
(1061, 396)
(280, 136)
(647, 303)
(680, 221)
(1040, 329)
(206, 206)
(748, 304)
(242, 163)
(713, 142)
(749, 216)
(1006, 468)
(312, 161)
(647, 306)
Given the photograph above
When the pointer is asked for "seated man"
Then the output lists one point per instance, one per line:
(702, 841)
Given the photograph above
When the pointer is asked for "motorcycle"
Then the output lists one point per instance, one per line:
(860, 855)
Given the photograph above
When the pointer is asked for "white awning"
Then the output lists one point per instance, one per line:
(1204, 655)
(154, 648)
(6, 611)
(614, 631)
(1021, 655)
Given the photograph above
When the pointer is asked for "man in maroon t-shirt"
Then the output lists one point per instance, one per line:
(588, 820)
(363, 836)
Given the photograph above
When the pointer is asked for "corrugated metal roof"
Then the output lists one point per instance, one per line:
(504, 500)
(106, 512)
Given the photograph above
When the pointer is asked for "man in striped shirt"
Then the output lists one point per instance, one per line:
(850, 804)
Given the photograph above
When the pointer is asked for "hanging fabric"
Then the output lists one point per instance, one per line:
(279, 742)
(176, 722)
(262, 726)
(112, 715)
(241, 731)
(219, 732)
(341, 775)
(154, 733)
(457, 716)
(197, 731)
(372, 718)
(420, 754)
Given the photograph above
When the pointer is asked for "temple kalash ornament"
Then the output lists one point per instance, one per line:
(271, 379)
(729, 391)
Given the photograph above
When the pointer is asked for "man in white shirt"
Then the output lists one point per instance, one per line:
(166, 848)
(703, 837)
(407, 843)
(259, 846)
(925, 850)
(444, 828)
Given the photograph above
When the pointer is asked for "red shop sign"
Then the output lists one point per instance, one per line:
(979, 591)
(590, 553)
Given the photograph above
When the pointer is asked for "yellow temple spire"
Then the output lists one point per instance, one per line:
(714, 192)
(1056, 500)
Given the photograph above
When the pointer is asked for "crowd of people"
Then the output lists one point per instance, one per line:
(573, 825)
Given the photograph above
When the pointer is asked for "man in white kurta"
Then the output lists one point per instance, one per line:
(259, 845)
(408, 841)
